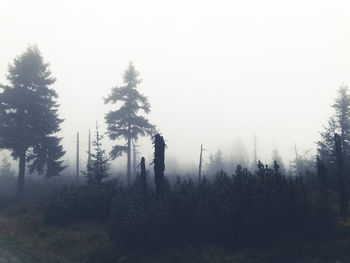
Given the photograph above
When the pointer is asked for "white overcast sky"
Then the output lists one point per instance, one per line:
(213, 71)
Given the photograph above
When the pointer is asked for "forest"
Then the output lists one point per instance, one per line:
(220, 213)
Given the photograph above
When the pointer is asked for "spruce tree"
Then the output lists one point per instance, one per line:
(126, 122)
(29, 116)
(98, 169)
(338, 123)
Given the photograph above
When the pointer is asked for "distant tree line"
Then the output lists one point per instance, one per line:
(29, 124)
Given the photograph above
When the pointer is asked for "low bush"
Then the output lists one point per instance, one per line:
(82, 202)
(230, 211)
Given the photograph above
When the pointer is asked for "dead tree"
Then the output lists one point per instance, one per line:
(159, 166)
(341, 178)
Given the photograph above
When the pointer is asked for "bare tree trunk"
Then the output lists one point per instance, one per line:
(341, 177)
(21, 172)
(159, 166)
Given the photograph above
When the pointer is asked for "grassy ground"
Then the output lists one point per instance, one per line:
(23, 223)
(24, 237)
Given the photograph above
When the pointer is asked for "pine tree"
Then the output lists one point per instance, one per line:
(339, 123)
(326, 148)
(98, 169)
(29, 116)
(125, 122)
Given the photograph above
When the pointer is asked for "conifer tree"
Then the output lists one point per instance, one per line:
(126, 122)
(29, 116)
(98, 169)
(338, 123)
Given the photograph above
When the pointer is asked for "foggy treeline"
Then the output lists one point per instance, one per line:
(226, 199)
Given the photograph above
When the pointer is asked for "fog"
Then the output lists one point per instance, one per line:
(215, 72)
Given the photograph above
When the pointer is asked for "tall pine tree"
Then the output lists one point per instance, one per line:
(339, 123)
(29, 116)
(126, 122)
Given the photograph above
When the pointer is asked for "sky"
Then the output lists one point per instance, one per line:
(213, 71)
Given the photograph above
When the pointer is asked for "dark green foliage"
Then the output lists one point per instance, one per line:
(126, 122)
(231, 211)
(29, 116)
(98, 169)
(76, 203)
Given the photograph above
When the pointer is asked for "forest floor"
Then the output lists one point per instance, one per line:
(26, 238)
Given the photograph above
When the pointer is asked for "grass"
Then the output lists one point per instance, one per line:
(23, 223)
(24, 234)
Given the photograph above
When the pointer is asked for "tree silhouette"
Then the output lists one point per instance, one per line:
(125, 122)
(29, 118)
(159, 166)
(99, 166)
(339, 123)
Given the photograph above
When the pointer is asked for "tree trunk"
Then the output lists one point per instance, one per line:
(21, 172)
(159, 166)
(129, 159)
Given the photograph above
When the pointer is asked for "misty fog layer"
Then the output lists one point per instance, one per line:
(215, 73)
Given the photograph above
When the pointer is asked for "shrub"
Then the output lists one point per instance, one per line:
(230, 211)
(76, 203)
